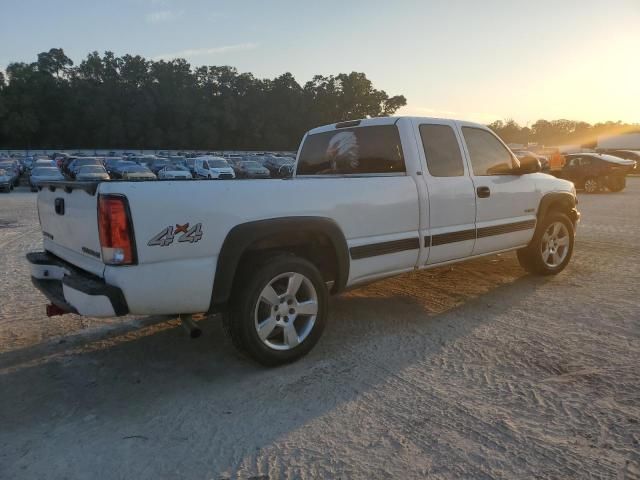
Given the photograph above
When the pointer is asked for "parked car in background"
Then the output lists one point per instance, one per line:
(28, 163)
(11, 168)
(78, 163)
(44, 162)
(250, 169)
(594, 172)
(279, 167)
(173, 171)
(110, 163)
(6, 180)
(116, 169)
(137, 172)
(91, 173)
(40, 174)
(210, 167)
(158, 164)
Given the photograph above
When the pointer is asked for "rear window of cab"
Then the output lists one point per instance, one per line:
(352, 151)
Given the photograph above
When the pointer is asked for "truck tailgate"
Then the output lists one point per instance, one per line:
(69, 222)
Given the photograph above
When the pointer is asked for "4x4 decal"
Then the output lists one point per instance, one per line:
(183, 232)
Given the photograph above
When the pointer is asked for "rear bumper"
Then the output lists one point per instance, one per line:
(74, 290)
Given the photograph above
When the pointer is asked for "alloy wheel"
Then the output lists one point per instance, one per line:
(286, 311)
(555, 243)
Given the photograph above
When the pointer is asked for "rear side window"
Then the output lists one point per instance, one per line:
(488, 155)
(442, 151)
(362, 150)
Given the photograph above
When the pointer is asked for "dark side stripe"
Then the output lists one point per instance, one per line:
(384, 248)
(452, 237)
(508, 228)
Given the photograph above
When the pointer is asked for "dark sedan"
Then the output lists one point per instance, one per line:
(594, 172)
(250, 169)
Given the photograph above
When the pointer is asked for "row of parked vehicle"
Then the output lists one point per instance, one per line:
(130, 166)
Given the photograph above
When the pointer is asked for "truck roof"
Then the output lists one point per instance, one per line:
(366, 122)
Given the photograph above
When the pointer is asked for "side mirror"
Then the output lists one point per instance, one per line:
(528, 165)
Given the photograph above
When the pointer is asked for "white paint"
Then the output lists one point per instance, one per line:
(178, 278)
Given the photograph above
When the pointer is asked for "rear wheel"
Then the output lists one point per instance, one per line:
(277, 312)
(551, 248)
(617, 184)
(591, 185)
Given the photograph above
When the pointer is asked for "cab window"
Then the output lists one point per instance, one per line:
(352, 151)
(441, 150)
(488, 155)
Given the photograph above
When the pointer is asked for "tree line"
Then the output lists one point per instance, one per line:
(559, 132)
(130, 102)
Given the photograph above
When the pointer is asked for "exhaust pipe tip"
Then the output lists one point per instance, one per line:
(191, 328)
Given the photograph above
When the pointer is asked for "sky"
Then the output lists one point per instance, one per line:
(474, 60)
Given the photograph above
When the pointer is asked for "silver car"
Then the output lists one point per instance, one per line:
(92, 173)
(6, 180)
(40, 174)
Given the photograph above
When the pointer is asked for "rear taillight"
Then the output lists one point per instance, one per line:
(116, 234)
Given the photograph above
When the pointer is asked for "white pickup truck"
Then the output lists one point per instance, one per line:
(368, 199)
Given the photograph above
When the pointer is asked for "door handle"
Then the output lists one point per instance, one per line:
(483, 192)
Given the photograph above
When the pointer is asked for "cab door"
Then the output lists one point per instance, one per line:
(506, 204)
(451, 199)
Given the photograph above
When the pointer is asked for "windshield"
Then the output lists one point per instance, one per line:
(218, 163)
(46, 172)
(137, 169)
(177, 168)
(87, 161)
(251, 164)
(91, 169)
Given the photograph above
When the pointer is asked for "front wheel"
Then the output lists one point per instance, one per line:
(551, 248)
(278, 311)
(591, 185)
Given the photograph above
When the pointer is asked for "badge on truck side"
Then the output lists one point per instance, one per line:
(183, 232)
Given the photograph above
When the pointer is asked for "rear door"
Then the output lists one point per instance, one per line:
(505, 204)
(451, 198)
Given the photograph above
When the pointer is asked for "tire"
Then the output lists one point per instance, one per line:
(271, 280)
(592, 185)
(617, 184)
(541, 258)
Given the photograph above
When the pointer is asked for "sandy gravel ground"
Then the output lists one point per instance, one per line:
(474, 371)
